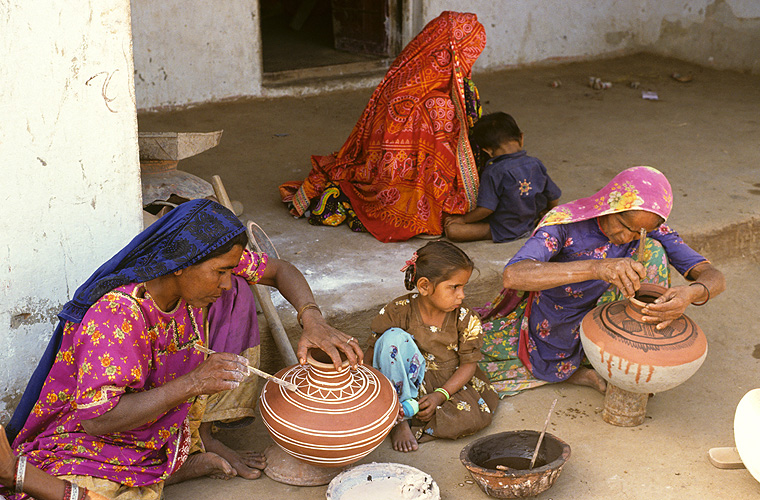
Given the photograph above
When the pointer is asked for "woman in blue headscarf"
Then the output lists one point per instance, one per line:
(107, 407)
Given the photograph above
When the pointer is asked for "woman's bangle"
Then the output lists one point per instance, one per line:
(18, 478)
(308, 305)
(74, 494)
(444, 392)
(72, 491)
(706, 290)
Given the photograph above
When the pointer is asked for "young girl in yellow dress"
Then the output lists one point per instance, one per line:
(428, 344)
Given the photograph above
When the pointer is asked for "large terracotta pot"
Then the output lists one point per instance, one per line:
(334, 418)
(635, 356)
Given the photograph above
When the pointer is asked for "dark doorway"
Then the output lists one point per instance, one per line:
(302, 34)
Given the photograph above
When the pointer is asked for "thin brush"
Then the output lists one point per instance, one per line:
(254, 371)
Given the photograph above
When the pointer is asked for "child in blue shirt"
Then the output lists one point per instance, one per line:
(515, 189)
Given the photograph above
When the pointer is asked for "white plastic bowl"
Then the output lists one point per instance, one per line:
(383, 481)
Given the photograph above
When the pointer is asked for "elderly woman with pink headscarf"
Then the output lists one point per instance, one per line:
(581, 254)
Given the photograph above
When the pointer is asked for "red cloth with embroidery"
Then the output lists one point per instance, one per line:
(408, 158)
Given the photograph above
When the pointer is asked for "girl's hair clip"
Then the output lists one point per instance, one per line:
(410, 263)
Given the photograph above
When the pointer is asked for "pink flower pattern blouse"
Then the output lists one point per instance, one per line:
(124, 344)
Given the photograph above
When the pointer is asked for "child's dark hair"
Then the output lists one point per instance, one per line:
(495, 129)
(436, 261)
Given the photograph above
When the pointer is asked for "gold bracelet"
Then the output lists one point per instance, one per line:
(308, 305)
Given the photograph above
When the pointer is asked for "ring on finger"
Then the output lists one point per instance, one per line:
(350, 340)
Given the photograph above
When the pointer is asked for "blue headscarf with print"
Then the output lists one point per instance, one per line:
(177, 240)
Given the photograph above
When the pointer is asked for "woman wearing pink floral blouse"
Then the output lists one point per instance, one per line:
(112, 413)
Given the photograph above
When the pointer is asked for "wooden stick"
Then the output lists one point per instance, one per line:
(254, 371)
(640, 251)
(220, 192)
(279, 334)
(541, 437)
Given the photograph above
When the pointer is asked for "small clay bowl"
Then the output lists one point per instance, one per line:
(514, 449)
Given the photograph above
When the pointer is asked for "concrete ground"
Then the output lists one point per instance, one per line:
(702, 134)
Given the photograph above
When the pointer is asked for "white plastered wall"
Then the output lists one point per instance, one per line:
(722, 33)
(193, 51)
(70, 186)
(186, 53)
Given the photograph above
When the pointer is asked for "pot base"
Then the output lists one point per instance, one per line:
(624, 408)
(285, 468)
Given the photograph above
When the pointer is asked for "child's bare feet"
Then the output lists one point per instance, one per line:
(589, 378)
(402, 437)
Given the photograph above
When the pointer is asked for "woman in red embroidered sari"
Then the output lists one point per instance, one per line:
(408, 159)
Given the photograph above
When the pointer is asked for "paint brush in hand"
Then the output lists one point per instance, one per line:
(254, 371)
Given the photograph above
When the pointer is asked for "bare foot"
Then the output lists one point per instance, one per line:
(246, 464)
(402, 437)
(203, 464)
(589, 378)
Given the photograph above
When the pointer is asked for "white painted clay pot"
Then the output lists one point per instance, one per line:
(747, 431)
(335, 418)
(635, 356)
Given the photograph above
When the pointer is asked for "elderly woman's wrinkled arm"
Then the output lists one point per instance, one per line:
(316, 332)
(531, 275)
(707, 282)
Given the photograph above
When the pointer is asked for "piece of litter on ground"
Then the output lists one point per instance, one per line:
(597, 83)
(281, 135)
(681, 78)
(649, 95)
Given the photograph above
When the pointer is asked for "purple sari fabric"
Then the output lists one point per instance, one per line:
(233, 325)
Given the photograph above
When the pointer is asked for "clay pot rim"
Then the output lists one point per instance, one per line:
(555, 464)
(651, 287)
(329, 366)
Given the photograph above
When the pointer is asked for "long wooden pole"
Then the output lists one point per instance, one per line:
(262, 296)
